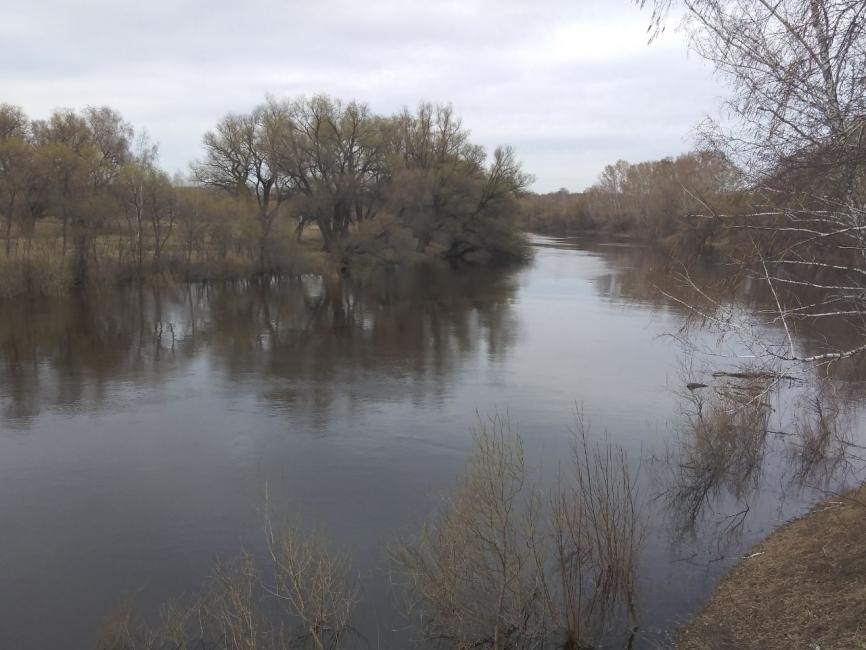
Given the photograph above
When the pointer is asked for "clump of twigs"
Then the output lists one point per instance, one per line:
(821, 448)
(503, 565)
(597, 528)
(304, 599)
(314, 585)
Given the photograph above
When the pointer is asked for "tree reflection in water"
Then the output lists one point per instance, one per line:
(393, 336)
(746, 432)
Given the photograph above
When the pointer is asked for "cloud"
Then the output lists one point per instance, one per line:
(573, 85)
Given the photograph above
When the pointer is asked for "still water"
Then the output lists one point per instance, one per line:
(138, 430)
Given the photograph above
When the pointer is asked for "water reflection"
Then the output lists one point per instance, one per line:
(744, 413)
(748, 447)
(650, 277)
(138, 428)
(392, 337)
(720, 450)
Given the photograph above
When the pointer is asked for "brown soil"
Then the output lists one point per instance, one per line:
(804, 587)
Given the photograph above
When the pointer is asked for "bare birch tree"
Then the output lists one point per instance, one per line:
(797, 69)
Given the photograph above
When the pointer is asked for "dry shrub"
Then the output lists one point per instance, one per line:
(231, 609)
(721, 447)
(315, 587)
(596, 526)
(501, 566)
(123, 629)
(821, 450)
(304, 599)
(471, 575)
(48, 276)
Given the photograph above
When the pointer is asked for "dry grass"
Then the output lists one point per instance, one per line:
(804, 587)
(40, 267)
(42, 272)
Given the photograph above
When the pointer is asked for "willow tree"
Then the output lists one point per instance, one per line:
(445, 191)
(240, 160)
(82, 155)
(435, 166)
(339, 165)
(332, 153)
(15, 161)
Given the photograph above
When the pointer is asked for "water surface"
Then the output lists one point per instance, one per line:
(139, 429)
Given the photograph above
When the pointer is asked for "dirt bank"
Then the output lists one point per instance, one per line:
(804, 587)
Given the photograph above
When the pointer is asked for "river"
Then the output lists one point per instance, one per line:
(139, 430)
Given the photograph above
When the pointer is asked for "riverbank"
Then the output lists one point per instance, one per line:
(41, 266)
(803, 587)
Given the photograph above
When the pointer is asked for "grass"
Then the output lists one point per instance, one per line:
(804, 587)
(37, 266)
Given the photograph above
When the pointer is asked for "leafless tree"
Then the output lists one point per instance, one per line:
(240, 158)
(798, 112)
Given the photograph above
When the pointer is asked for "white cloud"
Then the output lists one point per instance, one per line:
(573, 85)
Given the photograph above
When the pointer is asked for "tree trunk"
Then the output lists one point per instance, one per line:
(63, 247)
(9, 213)
(82, 248)
(327, 234)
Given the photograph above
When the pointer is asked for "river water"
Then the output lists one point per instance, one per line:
(138, 430)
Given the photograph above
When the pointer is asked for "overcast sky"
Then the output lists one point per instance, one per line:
(572, 84)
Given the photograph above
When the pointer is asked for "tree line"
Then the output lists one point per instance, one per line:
(652, 199)
(80, 193)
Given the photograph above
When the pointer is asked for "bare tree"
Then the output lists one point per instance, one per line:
(161, 200)
(134, 178)
(798, 74)
(240, 159)
(17, 167)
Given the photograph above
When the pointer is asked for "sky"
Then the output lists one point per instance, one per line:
(572, 84)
